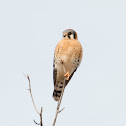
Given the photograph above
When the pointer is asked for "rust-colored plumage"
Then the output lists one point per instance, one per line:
(67, 58)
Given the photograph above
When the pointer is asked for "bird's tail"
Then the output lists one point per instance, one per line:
(58, 88)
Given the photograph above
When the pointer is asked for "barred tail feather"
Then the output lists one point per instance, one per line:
(56, 95)
(57, 91)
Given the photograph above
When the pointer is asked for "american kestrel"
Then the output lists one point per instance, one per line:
(67, 58)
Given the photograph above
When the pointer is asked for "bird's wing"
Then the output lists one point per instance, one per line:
(54, 73)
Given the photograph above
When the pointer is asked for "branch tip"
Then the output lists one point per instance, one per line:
(61, 110)
(40, 113)
(36, 122)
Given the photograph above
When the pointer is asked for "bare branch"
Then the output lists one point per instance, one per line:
(40, 113)
(41, 117)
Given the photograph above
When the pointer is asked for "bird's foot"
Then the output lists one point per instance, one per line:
(67, 75)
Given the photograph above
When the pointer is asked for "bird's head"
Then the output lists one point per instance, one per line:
(69, 34)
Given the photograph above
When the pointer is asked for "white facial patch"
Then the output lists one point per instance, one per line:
(71, 36)
(66, 37)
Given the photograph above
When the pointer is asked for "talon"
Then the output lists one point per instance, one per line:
(61, 61)
(68, 75)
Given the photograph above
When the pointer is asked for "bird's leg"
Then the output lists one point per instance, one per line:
(61, 61)
(67, 74)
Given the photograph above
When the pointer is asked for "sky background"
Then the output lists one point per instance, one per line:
(29, 32)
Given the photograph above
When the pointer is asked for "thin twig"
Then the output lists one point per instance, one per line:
(61, 109)
(36, 123)
(40, 113)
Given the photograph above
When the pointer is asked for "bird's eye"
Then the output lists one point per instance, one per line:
(69, 33)
(64, 36)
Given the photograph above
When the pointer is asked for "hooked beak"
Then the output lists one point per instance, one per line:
(65, 34)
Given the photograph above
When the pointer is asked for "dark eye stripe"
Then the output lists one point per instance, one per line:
(74, 36)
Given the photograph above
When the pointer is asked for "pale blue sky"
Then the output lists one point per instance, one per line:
(29, 32)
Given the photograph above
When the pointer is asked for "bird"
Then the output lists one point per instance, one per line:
(67, 58)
